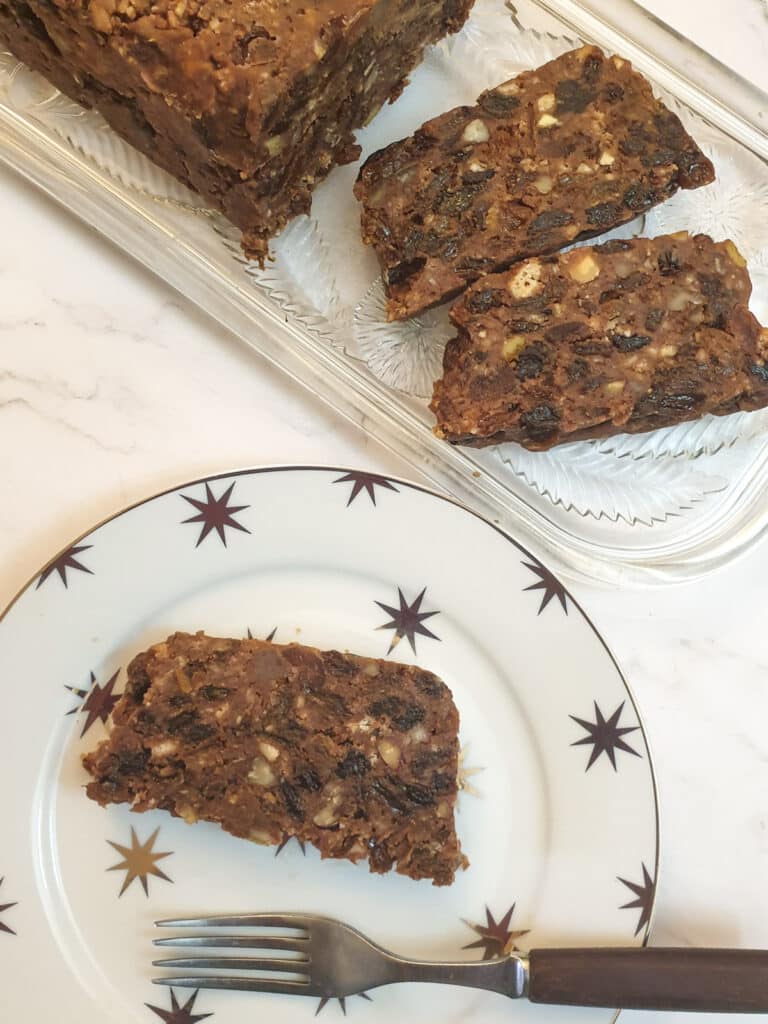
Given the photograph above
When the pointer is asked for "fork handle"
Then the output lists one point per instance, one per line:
(717, 980)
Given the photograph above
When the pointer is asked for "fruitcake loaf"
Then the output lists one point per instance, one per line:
(561, 153)
(621, 337)
(357, 756)
(249, 102)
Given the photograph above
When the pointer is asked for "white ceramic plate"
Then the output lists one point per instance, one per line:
(558, 818)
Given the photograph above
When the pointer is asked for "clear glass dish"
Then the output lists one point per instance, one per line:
(660, 507)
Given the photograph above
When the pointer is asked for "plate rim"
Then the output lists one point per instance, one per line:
(413, 486)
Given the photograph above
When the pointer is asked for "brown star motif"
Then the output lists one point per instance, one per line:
(3, 908)
(66, 560)
(179, 1014)
(139, 861)
(496, 937)
(407, 620)
(324, 1000)
(215, 514)
(284, 842)
(549, 584)
(604, 735)
(267, 639)
(644, 893)
(367, 482)
(99, 701)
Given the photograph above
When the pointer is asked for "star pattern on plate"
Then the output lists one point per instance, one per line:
(99, 701)
(464, 773)
(496, 937)
(549, 584)
(284, 842)
(267, 639)
(215, 514)
(80, 694)
(367, 482)
(324, 1000)
(407, 620)
(63, 562)
(139, 861)
(604, 735)
(3, 907)
(644, 893)
(179, 1014)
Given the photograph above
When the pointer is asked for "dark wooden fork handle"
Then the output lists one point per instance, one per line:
(718, 980)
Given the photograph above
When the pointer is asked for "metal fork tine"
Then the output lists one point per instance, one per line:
(238, 921)
(291, 988)
(294, 944)
(235, 963)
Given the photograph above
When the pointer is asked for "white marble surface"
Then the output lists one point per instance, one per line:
(111, 387)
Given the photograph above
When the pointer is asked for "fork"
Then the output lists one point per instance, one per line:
(330, 959)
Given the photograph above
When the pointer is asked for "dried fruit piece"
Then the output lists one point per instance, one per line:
(550, 219)
(629, 342)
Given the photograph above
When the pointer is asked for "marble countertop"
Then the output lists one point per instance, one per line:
(112, 387)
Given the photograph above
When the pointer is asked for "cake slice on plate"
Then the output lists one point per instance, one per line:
(355, 755)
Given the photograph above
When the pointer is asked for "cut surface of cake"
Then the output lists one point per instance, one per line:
(565, 152)
(621, 337)
(354, 755)
(248, 102)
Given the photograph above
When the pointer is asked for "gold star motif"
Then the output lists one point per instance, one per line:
(139, 861)
(464, 773)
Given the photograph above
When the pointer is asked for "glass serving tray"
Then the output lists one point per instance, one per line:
(658, 507)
